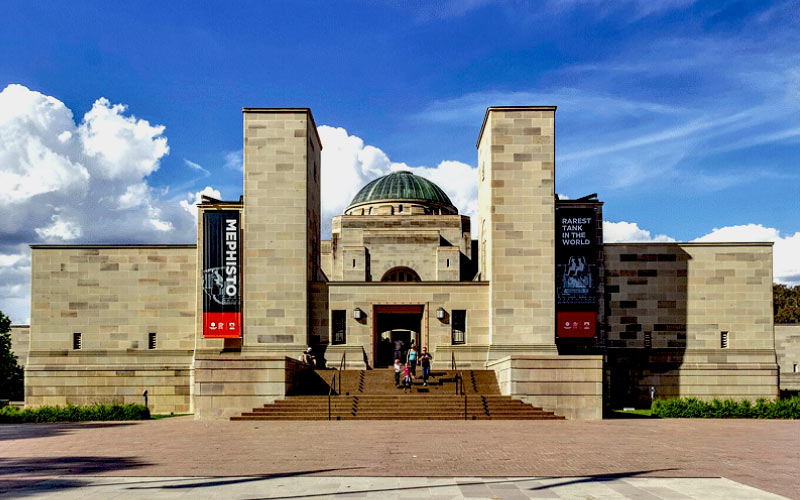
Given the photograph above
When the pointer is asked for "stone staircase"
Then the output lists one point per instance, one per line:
(372, 395)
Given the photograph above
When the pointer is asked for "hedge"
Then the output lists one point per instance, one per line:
(96, 412)
(694, 408)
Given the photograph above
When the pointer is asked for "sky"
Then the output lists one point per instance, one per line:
(684, 116)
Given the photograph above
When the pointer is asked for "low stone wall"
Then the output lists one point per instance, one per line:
(570, 386)
(703, 374)
(787, 347)
(83, 377)
(227, 385)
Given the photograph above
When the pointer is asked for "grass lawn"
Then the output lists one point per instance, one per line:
(633, 413)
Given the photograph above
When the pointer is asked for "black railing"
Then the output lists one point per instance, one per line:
(332, 385)
(457, 376)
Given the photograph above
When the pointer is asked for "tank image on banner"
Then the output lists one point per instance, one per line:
(222, 312)
(576, 271)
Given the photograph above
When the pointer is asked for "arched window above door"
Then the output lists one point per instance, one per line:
(404, 274)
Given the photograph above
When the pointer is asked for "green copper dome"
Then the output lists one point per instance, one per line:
(402, 185)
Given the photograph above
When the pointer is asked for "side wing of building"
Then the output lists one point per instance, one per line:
(109, 322)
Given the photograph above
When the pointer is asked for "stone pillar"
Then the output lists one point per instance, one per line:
(281, 227)
(516, 215)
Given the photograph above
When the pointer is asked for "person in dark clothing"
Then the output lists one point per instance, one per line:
(425, 361)
(398, 349)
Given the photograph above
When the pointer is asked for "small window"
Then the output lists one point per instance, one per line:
(339, 327)
(723, 340)
(794, 368)
(448, 262)
(459, 322)
(400, 208)
(648, 340)
(151, 340)
(77, 342)
(354, 263)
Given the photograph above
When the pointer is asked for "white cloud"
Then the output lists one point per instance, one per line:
(77, 182)
(121, 146)
(7, 260)
(234, 160)
(348, 164)
(190, 204)
(60, 229)
(626, 232)
(196, 166)
(785, 252)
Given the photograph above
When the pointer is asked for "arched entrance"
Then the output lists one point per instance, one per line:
(392, 324)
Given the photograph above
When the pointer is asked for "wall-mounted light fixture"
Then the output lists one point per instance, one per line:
(358, 313)
(440, 314)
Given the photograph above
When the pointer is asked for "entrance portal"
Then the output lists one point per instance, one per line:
(395, 326)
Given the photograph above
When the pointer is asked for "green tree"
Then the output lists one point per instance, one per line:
(786, 303)
(11, 375)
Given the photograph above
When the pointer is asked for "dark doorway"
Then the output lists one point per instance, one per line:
(395, 326)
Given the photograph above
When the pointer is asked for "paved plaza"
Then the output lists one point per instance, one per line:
(182, 457)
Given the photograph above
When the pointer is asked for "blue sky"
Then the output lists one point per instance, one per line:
(683, 116)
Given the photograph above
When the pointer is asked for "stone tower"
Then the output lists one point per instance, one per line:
(516, 214)
(281, 227)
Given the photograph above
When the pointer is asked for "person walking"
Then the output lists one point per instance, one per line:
(398, 367)
(412, 359)
(406, 379)
(425, 361)
(398, 348)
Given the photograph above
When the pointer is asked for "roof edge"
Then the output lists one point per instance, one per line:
(288, 110)
(110, 246)
(509, 108)
(696, 243)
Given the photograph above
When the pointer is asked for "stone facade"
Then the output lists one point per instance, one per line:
(20, 342)
(94, 310)
(516, 216)
(691, 319)
(787, 346)
(281, 224)
(108, 322)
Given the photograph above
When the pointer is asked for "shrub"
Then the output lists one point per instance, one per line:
(70, 413)
(694, 408)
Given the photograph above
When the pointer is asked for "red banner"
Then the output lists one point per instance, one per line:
(222, 325)
(576, 324)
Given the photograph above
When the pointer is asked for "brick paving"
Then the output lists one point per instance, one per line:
(761, 454)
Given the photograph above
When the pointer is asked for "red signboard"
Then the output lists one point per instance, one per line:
(222, 325)
(576, 324)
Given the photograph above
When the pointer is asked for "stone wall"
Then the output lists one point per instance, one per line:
(570, 386)
(690, 319)
(114, 297)
(436, 334)
(516, 213)
(20, 342)
(787, 346)
(227, 385)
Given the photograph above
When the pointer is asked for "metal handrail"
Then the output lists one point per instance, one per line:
(341, 367)
(330, 390)
(332, 385)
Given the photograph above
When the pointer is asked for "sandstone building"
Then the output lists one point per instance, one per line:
(531, 292)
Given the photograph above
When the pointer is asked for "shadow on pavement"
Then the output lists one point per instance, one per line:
(33, 476)
(10, 432)
(211, 482)
(596, 478)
